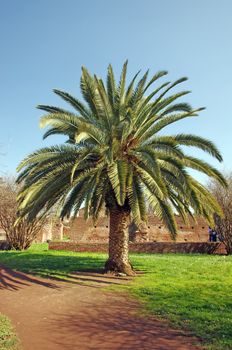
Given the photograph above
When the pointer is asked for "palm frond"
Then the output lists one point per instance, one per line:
(115, 156)
(199, 142)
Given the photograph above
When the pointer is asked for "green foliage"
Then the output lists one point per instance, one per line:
(115, 154)
(8, 339)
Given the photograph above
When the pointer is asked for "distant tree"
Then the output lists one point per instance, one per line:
(223, 225)
(18, 235)
(116, 157)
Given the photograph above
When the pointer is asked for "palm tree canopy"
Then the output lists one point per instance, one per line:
(115, 155)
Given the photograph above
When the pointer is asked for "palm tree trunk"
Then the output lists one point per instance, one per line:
(118, 261)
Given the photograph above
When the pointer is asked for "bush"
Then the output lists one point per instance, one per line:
(19, 235)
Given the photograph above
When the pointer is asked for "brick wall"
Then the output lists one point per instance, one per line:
(80, 230)
(148, 247)
(79, 247)
(84, 231)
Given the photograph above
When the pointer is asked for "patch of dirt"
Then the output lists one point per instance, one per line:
(80, 315)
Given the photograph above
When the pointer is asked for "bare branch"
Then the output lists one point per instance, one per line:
(21, 235)
(223, 225)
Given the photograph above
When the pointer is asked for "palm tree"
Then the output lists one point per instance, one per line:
(115, 158)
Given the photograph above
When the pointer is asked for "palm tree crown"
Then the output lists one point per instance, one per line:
(115, 155)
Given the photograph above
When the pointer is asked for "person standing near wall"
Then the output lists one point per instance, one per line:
(210, 231)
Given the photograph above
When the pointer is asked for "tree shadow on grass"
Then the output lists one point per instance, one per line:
(14, 280)
(49, 263)
(91, 278)
(87, 270)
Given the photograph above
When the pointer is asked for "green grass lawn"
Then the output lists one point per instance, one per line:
(191, 291)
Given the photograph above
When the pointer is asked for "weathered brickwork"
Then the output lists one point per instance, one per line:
(84, 231)
(80, 230)
(154, 247)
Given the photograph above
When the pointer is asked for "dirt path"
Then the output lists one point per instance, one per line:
(79, 315)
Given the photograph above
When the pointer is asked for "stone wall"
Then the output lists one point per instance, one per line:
(84, 231)
(52, 230)
(80, 230)
(2, 234)
(149, 247)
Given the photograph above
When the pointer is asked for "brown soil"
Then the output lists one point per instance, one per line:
(81, 315)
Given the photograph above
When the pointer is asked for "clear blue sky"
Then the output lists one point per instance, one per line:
(44, 43)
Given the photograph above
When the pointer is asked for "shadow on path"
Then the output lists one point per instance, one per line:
(79, 315)
(116, 325)
(14, 280)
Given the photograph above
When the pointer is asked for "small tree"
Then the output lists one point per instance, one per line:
(19, 235)
(223, 226)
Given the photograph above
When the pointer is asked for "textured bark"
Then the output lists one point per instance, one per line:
(118, 261)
